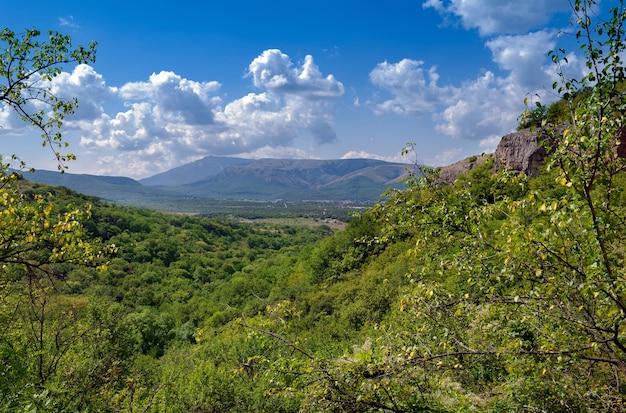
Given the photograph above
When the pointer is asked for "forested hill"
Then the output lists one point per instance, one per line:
(488, 294)
(492, 287)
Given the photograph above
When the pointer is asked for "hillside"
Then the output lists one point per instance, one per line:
(267, 179)
(111, 188)
(214, 178)
(496, 284)
(199, 170)
(197, 314)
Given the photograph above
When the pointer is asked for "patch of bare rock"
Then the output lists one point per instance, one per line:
(519, 151)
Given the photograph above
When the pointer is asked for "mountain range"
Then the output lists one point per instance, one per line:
(227, 178)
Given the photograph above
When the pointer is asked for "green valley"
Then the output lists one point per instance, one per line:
(494, 291)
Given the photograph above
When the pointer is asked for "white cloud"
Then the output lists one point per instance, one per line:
(490, 105)
(479, 108)
(85, 84)
(10, 123)
(296, 100)
(415, 91)
(137, 128)
(475, 109)
(445, 157)
(486, 107)
(274, 71)
(68, 21)
(176, 99)
(277, 152)
(139, 164)
(523, 55)
(257, 119)
(269, 118)
(82, 83)
(490, 143)
(168, 119)
(499, 16)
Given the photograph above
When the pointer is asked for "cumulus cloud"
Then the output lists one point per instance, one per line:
(175, 99)
(445, 157)
(414, 89)
(268, 118)
(88, 86)
(168, 119)
(277, 152)
(82, 83)
(490, 143)
(274, 71)
(478, 108)
(469, 111)
(499, 16)
(521, 57)
(295, 100)
(487, 105)
(137, 128)
(257, 119)
(10, 123)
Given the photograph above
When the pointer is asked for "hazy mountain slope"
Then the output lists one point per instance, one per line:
(266, 179)
(112, 188)
(192, 172)
(241, 179)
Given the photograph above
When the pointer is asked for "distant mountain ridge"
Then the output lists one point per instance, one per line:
(296, 179)
(359, 180)
(192, 172)
(111, 188)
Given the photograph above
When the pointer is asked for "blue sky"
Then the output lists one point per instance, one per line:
(177, 81)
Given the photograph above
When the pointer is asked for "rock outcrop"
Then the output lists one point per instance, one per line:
(450, 172)
(522, 151)
(519, 151)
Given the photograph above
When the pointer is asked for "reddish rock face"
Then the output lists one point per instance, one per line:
(621, 145)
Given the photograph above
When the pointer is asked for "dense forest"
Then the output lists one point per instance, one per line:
(497, 292)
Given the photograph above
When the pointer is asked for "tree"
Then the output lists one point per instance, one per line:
(27, 65)
(518, 299)
(40, 241)
(32, 234)
(541, 278)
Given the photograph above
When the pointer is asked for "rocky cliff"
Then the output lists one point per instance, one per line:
(450, 172)
(518, 151)
(522, 151)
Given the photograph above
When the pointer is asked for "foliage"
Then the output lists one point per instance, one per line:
(27, 65)
(516, 300)
(40, 241)
(39, 244)
(82, 339)
(516, 294)
(498, 292)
